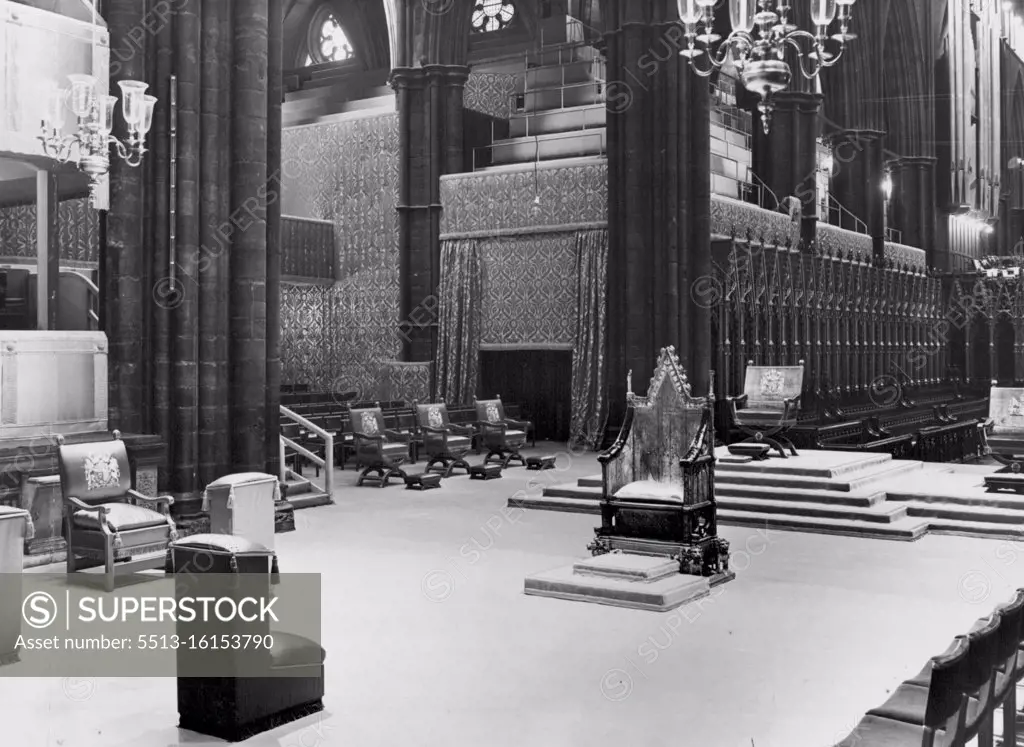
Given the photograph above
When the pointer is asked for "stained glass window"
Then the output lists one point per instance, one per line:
(327, 40)
(492, 15)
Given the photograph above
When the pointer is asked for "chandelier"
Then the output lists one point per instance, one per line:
(89, 145)
(757, 45)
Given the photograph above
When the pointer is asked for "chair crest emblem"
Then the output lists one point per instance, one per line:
(369, 423)
(493, 416)
(101, 471)
(1015, 408)
(773, 383)
(434, 417)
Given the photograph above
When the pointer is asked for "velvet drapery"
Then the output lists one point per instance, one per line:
(588, 356)
(463, 296)
(458, 339)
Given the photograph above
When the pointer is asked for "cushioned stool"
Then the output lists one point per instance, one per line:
(424, 481)
(756, 451)
(236, 708)
(485, 472)
(541, 462)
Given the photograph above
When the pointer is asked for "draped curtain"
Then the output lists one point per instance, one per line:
(588, 358)
(458, 341)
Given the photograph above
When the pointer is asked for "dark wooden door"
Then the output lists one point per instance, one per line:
(539, 381)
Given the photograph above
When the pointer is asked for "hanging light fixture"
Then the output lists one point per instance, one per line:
(89, 145)
(757, 45)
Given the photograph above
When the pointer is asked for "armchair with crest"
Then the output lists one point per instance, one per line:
(503, 437)
(107, 522)
(769, 406)
(658, 478)
(445, 442)
(378, 449)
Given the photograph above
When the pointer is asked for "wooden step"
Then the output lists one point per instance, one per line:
(556, 503)
(573, 490)
(797, 496)
(851, 482)
(801, 467)
(965, 512)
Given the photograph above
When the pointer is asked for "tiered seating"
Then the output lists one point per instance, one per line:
(957, 695)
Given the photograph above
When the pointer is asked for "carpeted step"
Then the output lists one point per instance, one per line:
(907, 529)
(315, 497)
(846, 483)
(881, 514)
(797, 497)
(572, 490)
(553, 503)
(809, 464)
(965, 512)
(975, 529)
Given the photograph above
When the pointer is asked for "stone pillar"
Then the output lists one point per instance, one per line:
(787, 158)
(913, 203)
(857, 176)
(275, 98)
(430, 116)
(124, 292)
(248, 288)
(658, 200)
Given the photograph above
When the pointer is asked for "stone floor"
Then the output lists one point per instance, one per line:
(431, 640)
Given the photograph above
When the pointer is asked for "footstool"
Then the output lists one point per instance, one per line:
(757, 452)
(485, 472)
(422, 481)
(541, 462)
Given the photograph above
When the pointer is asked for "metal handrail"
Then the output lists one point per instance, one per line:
(836, 207)
(326, 462)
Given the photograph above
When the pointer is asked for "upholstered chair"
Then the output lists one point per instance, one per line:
(379, 450)
(503, 437)
(769, 405)
(107, 522)
(446, 444)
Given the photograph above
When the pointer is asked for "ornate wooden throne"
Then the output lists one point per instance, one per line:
(659, 477)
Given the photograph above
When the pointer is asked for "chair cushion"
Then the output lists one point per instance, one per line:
(515, 436)
(459, 442)
(908, 703)
(121, 517)
(397, 449)
(290, 650)
(649, 491)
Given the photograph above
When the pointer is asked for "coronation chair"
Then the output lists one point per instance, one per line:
(378, 448)
(1004, 437)
(658, 478)
(107, 522)
(768, 407)
(503, 437)
(446, 444)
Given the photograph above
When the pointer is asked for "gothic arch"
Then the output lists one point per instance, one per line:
(365, 25)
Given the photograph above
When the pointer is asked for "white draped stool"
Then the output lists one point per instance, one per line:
(243, 505)
(15, 529)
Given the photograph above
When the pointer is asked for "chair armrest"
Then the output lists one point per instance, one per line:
(697, 462)
(396, 436)
(740, 400)
(432, 429)
(158, 500)
(484, 425)
(522, 425)
(461, 430)
(81, 506)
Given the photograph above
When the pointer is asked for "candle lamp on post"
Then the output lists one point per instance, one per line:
(89, 145)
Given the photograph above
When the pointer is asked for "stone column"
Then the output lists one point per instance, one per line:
(430, 125)
(248, 291)
(658, 200)
(913, 203)
(124, 293)
(857, 176)
(275, 98)
(787, 158)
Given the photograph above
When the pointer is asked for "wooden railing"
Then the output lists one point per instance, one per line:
(326, 461)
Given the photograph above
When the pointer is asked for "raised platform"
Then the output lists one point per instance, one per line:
(834, 492)
(640, 582)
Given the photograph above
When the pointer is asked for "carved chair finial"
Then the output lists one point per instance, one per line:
(629, 381)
